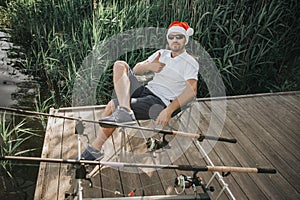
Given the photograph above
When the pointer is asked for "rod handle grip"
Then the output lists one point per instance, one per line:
(230, 140)
(221, 139)
(266, 170)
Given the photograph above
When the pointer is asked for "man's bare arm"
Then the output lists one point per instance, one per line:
(145, 66)
(187, 95)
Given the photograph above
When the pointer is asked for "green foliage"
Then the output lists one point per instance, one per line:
(54, 38)
(255, 45)
(13, 135)
(43, 106)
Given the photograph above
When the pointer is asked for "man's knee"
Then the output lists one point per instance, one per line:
(120, 65)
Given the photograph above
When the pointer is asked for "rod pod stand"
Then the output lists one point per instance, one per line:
(80, 169)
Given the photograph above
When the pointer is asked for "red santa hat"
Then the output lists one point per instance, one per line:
(181, 27)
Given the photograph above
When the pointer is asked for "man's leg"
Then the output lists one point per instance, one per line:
(122, 83)
(104, 133)
(92, 152)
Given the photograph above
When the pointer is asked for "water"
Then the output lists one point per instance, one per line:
(17, 90)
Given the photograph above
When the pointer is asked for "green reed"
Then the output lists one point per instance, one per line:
(255, 45)
(13, 135)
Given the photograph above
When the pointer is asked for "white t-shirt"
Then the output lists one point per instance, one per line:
(171, 80)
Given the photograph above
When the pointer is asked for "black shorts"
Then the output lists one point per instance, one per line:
(143, 102)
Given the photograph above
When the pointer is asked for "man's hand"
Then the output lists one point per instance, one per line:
(142, 67)
(164, 117)
(187, 95)
(157, 66)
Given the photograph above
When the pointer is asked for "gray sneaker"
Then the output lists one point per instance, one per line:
(88, 154)
(120, 116)
(91, 154)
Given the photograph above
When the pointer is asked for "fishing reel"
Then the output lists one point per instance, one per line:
(184, 182)
(156, 144)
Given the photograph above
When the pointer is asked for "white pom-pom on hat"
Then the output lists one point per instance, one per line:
(190, 32)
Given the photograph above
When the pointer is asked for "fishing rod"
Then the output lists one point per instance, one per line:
(181, 181)
(225, 169)
(199, 137)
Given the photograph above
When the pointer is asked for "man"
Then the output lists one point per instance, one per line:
(174, 84)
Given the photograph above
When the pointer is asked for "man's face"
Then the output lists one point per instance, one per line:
(176, 41)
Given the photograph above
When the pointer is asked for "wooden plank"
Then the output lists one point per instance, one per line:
(89, 135)
(246, 96)
(82, 108)
(200, 120)
(291, 101)
(69, 149)
(271, 117)
(271, 136)
(51, 187)
(258, 135)
(250, 119)
(286, 146)
(90, 130)
(162, 184)
(151, 183)
(287, 108)
(192, 154)
(130, 176)
(156, 182)
(293, 109)
(97, 184)
(160, 179)
(202, 117)
(245, 152)
(166, 176)
(229, 154)
(109, 177)
(172, 155)
(43, 166)
(183, 160)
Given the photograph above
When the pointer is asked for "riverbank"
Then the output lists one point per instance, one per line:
(17, 89)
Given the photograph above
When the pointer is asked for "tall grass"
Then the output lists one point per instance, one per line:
(254, 44)
(13, 136)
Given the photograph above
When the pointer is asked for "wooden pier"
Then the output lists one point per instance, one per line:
(266, 126)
